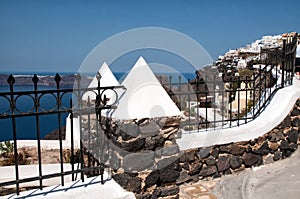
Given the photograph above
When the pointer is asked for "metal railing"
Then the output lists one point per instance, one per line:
(211, 100)
(76, 108)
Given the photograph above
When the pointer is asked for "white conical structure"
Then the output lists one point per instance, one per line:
(144, 96)
(107, 79)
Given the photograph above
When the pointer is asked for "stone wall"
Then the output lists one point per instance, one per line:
(144, 156)
(214, 161)
(146, 160)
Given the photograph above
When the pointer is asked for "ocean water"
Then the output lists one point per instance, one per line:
(26, 126)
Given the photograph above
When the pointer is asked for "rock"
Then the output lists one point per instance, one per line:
(150, 129)
(128, 131)
(145, 196)
(114, 160)
(155, 194)
(286, 153)
(236, 149)
(169, 191)
(162, 122)
(134, 145)
(296, 122)
(298, 102)
(138, 161)
(211, 161)
(273, 146)
(292, 136)
(248, 149)
(152, 143)
(260, 161)
(204, 152)
(261, 139)
(295, 112)
(233, 149)
(185, 166)
(183, 178)
(151, 179)
(286, 122)
(194, 178)
(268, 159)
(275, 137)
(252, 142)
(235, 162)
(170, 150)
(182, 157)
(217, 175)
(223, 163)
(262, 149)
(250, 159)
(227, 172)
(128, 182)
(284, 145)
(293, 147)
(188, 156)
(195, 168)
(208, 171)
(277, 155)
(215, 152)
(172, 163)
(225, 148)
(168, 175)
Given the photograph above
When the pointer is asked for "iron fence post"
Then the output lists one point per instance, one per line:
(11, 81)
(35, 80)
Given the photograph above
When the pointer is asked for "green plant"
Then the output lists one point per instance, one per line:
(245, 72)
(188, 128)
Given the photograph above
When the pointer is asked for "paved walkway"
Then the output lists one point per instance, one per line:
(91, 188)
(278, 180)
(275, 181)
(198, 190)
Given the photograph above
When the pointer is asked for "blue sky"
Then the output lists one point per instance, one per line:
(56, 36)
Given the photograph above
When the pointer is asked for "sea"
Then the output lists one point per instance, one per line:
(26, 127)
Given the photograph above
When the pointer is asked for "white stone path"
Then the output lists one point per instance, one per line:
(91, 188)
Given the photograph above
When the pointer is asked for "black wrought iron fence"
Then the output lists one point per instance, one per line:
(76, 108)
(212, 100)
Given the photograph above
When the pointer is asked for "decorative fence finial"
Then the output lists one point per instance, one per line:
(57, 79)
(11, 80)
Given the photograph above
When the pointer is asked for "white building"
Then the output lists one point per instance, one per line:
(107, 79)
(241, 64)
(144, 96)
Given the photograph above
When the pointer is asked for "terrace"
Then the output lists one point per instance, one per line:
(212, 112)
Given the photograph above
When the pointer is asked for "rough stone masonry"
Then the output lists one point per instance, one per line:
(214, 161)
(146, 160)
(143, 154)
